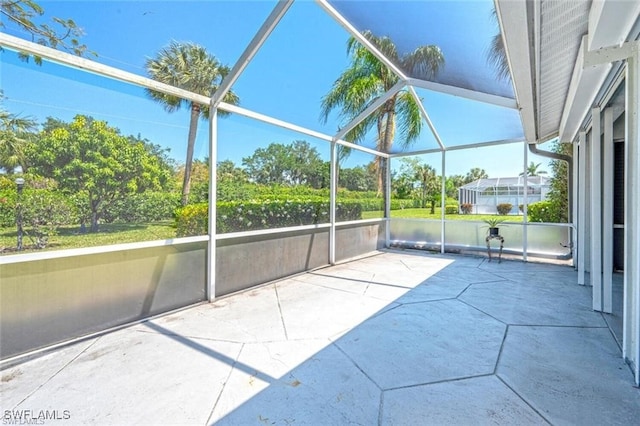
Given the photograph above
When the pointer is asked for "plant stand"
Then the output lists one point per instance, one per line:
(488, 241)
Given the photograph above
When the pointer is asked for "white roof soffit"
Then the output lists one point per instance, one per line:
(585, 84)
(610, 23)
(515, 24)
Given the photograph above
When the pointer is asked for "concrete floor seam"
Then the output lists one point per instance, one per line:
(480, 310)
(543, 417)
(224, 385)
(504, 339)
(337, 346)
(57, 372)
(437, 382)
(284, 325)
(188, 336)
(381, 408)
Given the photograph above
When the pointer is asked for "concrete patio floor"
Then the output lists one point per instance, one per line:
(399, 337)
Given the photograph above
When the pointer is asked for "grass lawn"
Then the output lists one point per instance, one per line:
(70, 237)
(426, 214)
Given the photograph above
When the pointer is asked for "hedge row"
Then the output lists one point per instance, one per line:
(141, 208)
(544, 211)
(236, 216)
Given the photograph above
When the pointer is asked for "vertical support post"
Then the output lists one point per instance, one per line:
(607, 213)
(443, 202)
(333, 194)
(387, 202)
(595, 207)
(574, 207)
(582, 207)
(525, 202)
(631, 315)
(210, 292)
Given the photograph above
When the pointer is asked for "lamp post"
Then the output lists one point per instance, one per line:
(19, 185)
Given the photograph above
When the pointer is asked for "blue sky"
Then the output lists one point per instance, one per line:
(286, 80)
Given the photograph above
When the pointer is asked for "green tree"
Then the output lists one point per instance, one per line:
(227, 171)
(15, 134)
(452, 184)
(190, 67)
(532, 170)
(295, 164)
(94, 163)
(60, 33)
(359, 178)
(558, 195)
(366, 79)
(423, 179)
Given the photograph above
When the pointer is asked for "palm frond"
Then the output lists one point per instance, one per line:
(409, 117)
(497, 55)
(424, 62)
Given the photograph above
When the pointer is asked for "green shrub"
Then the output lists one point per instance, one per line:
(466, 208)
(544, 211)
(192, 220)
(504, 208)
(145, 207)
(7, 208)
(43, 211)
(451, 209)
(236, 216)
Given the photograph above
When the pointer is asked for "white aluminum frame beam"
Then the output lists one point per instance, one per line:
(595, 207)
(631, 314)
(458, 147)
(608, 168)
(387, 203)
(582, 206)
(289, 126)
(574, 202)
(461, 92)
(210, 292)
(74, 61)
(525, 200)
(256, 43)
(426, 117)
(370, 109)
(362, 39)
(333, 195)
(443, 202)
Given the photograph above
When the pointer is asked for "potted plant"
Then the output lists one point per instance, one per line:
(493, 223)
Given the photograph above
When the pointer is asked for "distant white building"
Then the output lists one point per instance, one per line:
(485, 194)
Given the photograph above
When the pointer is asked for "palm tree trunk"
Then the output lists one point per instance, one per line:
(387, 142)
(191, 141)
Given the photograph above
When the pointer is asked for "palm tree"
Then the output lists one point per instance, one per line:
(532, 170)
(190, 67)
(426, 175)
(366, 79)
(475, 174)
(15, 132)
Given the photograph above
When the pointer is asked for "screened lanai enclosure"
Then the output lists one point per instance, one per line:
(295, 145)
(484, 195)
